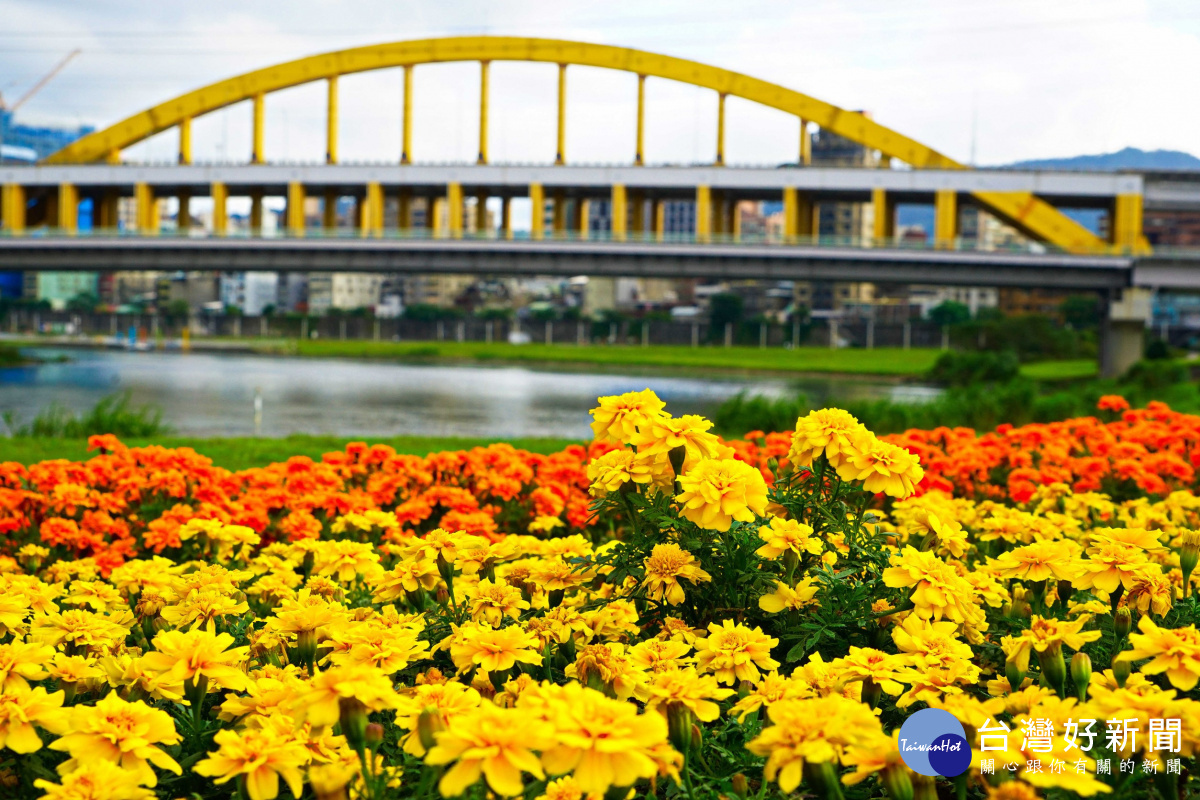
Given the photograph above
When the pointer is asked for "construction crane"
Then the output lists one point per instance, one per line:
(37, 87)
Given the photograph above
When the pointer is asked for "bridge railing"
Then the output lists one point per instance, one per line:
(766, 238)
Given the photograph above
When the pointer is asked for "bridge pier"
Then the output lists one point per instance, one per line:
(1123, 330)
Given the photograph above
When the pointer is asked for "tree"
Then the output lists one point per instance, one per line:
(83, 303)
(950, 312)
(177, 309)
(723, 309)
(1081, 311)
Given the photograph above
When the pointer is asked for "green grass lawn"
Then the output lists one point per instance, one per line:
(880, 361)
(243, 453)
(1061, 370)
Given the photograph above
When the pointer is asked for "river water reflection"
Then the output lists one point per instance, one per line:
(213, 395)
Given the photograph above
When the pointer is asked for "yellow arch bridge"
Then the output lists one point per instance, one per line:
(80, 167)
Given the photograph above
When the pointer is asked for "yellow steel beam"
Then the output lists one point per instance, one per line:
(483, 112)
(537, 218)
(147, 208)
(256, 210)
(68, 208)
(1126, 226)
(720, 162)
(404, 215)
(582, 216)
(295, 208)
(637, 220)
(1031, 214)
(331, 121)
(183, 217)
(660, 218)
(506, 217)
(703, 212)
(220, 218)
(454, 208)
(185, 140)
(107, 212)
(639, 147)
(945, 217)
(406, 123)
(791, 217)
(257, 154)
(481, 212)
(620, 211)
(372, 223)
(806, 224)
(805, 144)
(329, 210)
(560, 157)
(559, 215)
(884, 222)
(13, 205)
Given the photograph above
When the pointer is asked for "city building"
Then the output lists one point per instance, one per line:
(59, 288)
(251, 292)
(28, 143)
(342, 290)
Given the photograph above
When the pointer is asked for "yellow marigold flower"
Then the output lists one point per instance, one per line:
(613, 621)
(21, 709)
(605, 666)
(876, 754)
(329, 691)
(14, 610)
(1175, 652)
(718, 491)
(1110, 566)
(934, 685)
(441, 543)
(660, 435)
(938, 591)
(802, 732)
(882, 467)
(388, 650)
(770, 688)
(564, 789)
(1039, 561)
(220, 539)
(259, 755)
(1141, 538)
(119, 732)
(366, 522)
(869, 664)
(1153, 592)
(74, 669)
(1046, 634)
(200, 608)
(830, 432)
(930, 644)
(660, 655)
(1012, 790)
(81, 630)
(497, 743)
(491, 649)
(189, 656)
(102, 780)
(789, 598)
(21, 663)
(97, 595)
(949, 535)
(783, 535)
(492, 602)
(617, 417)
(265, 697)
(545, 524)
(345, 560)
(687, 689)
(440, 702)
(614, 469)
(667, 564)
(735, 652)
(603, 742)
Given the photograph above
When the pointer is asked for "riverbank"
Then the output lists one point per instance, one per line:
(237, 453)
(894, 363)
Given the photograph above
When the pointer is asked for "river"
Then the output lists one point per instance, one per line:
(213, 395)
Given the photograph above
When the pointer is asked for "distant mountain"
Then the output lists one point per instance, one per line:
(1129, 158)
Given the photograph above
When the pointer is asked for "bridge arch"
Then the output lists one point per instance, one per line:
(1031, 214)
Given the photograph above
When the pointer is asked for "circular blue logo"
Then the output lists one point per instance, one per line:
(933, 743)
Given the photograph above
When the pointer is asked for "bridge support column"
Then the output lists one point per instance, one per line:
(295, 208)
(1123, 331)
(483, 112)
(639, 150)
(256, 211)
(147, 208)
(660, 219)
(537, 214)
(68, 208)
(454, 203)
(107, 210)
(185, 140)
(805, 144)
(331, 121)
(703, 212)
(945, 218)
(481, 212)
(329, 210)
(183, 217)
(373, 210)
(619, 212)
(560, 157)
(404, 212)
(1126, 229)
(220, 219)
(580, 220)
(506, 231)
(885, 216)
(720, 162)
(560, 213)
(12, 207)
(637, 217)
(719, 215)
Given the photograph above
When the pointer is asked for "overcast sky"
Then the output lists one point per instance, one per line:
(1031, 78)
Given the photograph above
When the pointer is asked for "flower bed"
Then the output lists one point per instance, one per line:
(660, 613)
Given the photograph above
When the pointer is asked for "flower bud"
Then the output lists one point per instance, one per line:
(1121, 670)
(740, 786)
(374, 735)
(697, 737)
(1064, 590)
(896, 781)
(1014, 673)
(677, 455)
(679, 726)
(1189, 556)
(1054, 668)
(871, 691)
(1081, 674)
(306, 648)
(822, 778)
(1123, 622)
(445, 569)
(352, 715)
(429, 725)
(442, 596)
